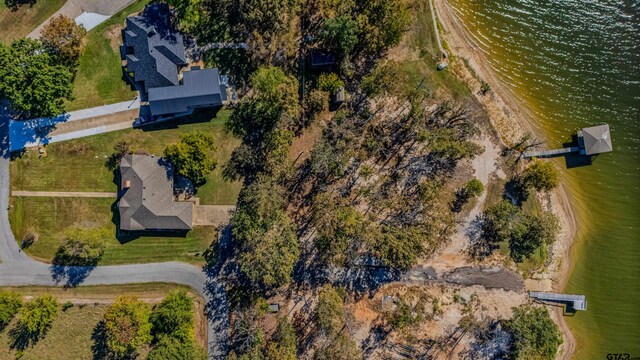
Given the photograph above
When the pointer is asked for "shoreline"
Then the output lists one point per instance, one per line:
(509, 119)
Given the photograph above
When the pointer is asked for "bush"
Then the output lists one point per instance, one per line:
(173, 317)
(192, 157)
(82, 247)
(67, 305)
(169, 348)
(330, 310)
(541, 176)
(127, 326)
(330, 83)
(37, 315)
(535, 335)
(29, 239)
(10, 303)
(316, 102)
(473, 188)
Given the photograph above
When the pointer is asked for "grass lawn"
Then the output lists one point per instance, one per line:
(18, 24)
(78, 165)
(99, 78)
(71, 335)
(102, 292)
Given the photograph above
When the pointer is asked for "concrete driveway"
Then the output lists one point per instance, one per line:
(75, 8)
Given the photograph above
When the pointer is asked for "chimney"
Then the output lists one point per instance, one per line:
(127, 184)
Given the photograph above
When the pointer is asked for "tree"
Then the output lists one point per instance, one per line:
(31, 80)
(173, 317)
(62, 37)
(537, 231)
(127, 325)
(192, 157)
(37, 315)
(340, 34)
(330, 82)
(381, 24)
(15, 4)
(170, 348)
(283, 342)
(82, 247)
(535, 335)
(329, 313)
(10, 303)
(398, 246)
(473, 188)
(265, 234)
(343, 347)
(541, 176)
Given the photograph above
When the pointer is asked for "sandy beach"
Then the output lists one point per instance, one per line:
(510, 118)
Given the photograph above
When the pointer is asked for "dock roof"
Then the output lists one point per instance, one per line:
(597, 139)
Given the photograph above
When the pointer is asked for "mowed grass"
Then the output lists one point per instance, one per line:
(68, 338)
(51, 218)
(71, 335)
(19, 23)
(99, 78)
(79, 165)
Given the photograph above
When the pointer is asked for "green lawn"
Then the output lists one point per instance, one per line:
(18, 24)
(99, 78)
(78, 165)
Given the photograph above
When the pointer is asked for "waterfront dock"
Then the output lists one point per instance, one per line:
(577, 302)
(591, 141)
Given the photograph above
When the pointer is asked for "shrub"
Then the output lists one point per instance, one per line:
(535, 335)
(541, 176)
(37, 315)
(173, 317)
(330, 83)
(10, 303)
(127, 326)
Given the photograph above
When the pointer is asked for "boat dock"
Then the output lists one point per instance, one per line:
(547, 153)
(577, 302)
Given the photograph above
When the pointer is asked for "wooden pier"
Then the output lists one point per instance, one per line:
(550, 153)
(577, 302)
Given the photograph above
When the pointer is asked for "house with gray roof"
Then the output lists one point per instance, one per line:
(153, 56)
(146, 201)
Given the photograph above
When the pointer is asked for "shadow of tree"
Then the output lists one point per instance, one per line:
(21, 338)
(14, 5)
(71, 276)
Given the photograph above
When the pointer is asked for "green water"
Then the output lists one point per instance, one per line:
(576, 64)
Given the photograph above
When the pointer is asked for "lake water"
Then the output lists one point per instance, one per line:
(576, 64)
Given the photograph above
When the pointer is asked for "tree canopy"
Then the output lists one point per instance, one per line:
(82, 247)
(127, 326)
(37, 315)
(62, 37)
(535, 335)
(265, 234)
(32, 81)
(329, 313)
(170, 348)
(173, 317)
(540, 175)
(283, 342)
(10, 303)
(192, 156)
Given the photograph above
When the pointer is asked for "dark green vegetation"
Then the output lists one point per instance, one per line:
(10, 303)
(126, 326)
(87, 165)
(535, 335)
(34, 321)
(541, 176)
(82, 247)
(18, 22)
(193, 157)
(32, 80)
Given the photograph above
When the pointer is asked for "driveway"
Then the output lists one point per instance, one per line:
(100, 9)
(18, 269)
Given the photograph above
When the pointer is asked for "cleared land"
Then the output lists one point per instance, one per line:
(99, 78)
(72, 333)
(19, 23)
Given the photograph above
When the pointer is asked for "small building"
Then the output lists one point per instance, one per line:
(153, 56)
(322, 59)
(595, 140)
(146, 201)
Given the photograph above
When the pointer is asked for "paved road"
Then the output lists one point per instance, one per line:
(85, 194)
(17, 269)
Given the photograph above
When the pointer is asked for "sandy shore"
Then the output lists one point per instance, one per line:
(510, 118)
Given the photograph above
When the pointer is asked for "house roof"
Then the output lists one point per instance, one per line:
(198, 88)
(147, 203)
(158, 49)
(597, 139)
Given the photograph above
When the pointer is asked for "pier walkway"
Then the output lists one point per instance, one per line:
(577, 302)
(549, 153)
